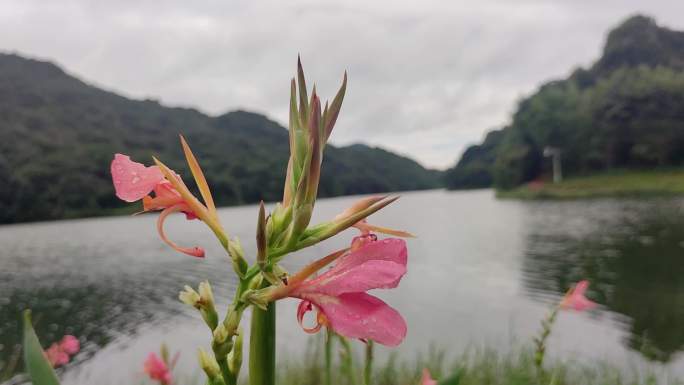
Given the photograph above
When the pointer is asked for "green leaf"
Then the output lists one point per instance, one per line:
(38, 367)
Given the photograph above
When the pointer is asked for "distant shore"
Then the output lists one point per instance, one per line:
(668, 182)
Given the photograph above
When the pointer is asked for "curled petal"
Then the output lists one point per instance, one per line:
(363, 316)
(132, 180)
(193, 251)
(303, 308)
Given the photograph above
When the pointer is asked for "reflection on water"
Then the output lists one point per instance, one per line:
(482, 271)
(631, 251)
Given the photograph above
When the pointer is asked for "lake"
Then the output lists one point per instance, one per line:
(482, 272)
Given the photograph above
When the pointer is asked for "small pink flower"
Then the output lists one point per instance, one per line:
(133, 181)
(157, 369)
(70, 345)
(339, 295)
(575, 298)
(427, 380)
(58, 353)
(56, 356)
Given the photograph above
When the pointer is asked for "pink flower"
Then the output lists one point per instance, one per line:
(70, 345)
(56, 356)
(58, 353)
(339, 295)
(133, 181)
(427, 380)
(575, 298)
(157, 369)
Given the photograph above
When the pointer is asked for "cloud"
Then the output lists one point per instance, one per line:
(426, 78)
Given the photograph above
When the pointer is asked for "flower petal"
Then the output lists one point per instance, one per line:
(373, 274)
(575, 298)
(132, 180)
(192, 251)
(390, 249)
(70, 344)
(360, 315)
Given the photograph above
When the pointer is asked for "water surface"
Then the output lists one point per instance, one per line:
(481, 272)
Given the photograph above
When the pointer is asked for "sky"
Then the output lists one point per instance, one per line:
(426, 78)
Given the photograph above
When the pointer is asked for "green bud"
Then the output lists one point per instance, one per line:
(221, 343)
(209, 365)
(235, 355)
(257, 298)
(301, 219)
(202, 301)
(237, 255)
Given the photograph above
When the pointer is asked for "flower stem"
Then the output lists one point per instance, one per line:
(328, 356)
(540, 341)
(262, 345)
(368, 369)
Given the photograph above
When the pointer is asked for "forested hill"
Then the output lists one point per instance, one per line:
(58, 135)
(626, 111)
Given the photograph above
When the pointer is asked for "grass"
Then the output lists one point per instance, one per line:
(613, 184)
(477, 367)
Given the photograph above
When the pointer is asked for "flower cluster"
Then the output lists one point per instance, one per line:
(59, 353)
(339, 295)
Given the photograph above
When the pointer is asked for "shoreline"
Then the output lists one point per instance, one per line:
(616, 184)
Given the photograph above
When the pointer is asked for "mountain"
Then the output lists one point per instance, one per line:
(58, 135)
(623, 112)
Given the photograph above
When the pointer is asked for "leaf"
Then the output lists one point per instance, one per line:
(37, 365)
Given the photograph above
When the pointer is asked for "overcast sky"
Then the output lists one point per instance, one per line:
(426, 78)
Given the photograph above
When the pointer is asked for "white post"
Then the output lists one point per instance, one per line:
(555, 154)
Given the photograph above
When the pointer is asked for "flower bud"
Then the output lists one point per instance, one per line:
(206, 295)
(209, 365)
(202, 301)
(221, 343)
(235, 355)
(189, 297)
(300, 221)
(258, 298)
(261, 237)
(237, 256)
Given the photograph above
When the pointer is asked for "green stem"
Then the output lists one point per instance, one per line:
(347, 360)
(262, 345)
(228, 376)
(328, 357)
(540, 341)
(368, 369)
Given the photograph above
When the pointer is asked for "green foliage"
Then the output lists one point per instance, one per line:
(605, 184)
(623, 112)
(37, 365)
(58, 136)
(484, 366)
(474, 168)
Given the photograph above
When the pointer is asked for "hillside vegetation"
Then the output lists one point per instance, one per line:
(58, 135)
(625, 112)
